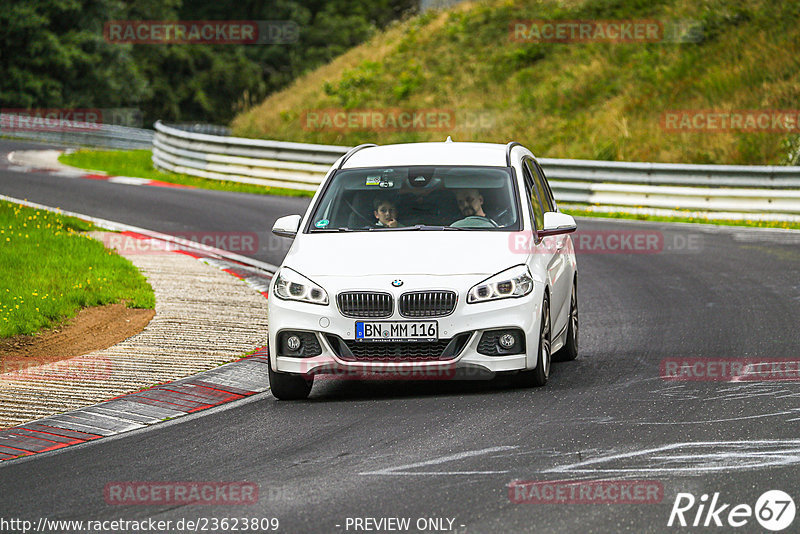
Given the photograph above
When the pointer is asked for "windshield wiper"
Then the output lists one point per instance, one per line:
(341, 229)
(417, 227)
(436, 227)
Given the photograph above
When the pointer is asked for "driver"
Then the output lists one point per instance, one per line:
(470, 204)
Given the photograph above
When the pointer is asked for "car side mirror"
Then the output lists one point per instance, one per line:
(287, 226)
(556, 223)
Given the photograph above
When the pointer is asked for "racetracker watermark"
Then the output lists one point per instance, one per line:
(241, 32)
(244, 243)
(730, 369)
(604, 31)
(129, 493)
(67, 119)
(395, 120)
(379, 371)
(86, 367)
(585, 491)
(717, 121)
(607, 242)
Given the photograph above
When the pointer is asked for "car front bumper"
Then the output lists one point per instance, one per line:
(471, 320)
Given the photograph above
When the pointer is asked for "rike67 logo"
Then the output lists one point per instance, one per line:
(774, 510)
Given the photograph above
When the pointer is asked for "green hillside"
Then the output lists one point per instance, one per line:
(588, 100)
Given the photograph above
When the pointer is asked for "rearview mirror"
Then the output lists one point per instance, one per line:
(557, 223)
(287, 226)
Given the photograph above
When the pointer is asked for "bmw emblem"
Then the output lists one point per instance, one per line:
(397, 283)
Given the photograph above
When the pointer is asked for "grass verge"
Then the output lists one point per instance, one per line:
(138, 164)
(786, 225)
(49, 270)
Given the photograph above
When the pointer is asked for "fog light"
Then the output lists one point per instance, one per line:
(293, 342)
(507, 341)
(502, 342)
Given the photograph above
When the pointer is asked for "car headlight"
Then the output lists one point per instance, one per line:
(291, 285)
(514, 282)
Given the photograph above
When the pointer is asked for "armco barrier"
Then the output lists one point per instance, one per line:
(271, 163)
(96, 135)
(736, 190)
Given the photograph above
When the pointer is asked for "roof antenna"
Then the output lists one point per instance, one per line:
(448, 140)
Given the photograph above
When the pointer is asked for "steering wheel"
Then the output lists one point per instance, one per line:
(359, 215)
(499, 217)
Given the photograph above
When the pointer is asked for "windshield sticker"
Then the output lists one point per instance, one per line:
(322, 223)
(373, 180)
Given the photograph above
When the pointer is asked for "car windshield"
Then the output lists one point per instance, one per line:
(417, 197)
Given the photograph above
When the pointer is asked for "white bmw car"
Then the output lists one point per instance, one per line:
(425, 260)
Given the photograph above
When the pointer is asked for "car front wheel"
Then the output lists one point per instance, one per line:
(285, 386)
(570, 349)
(538, 377)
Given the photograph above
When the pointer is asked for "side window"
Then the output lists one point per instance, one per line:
(536, 204)
(547, 191)
(540, 188)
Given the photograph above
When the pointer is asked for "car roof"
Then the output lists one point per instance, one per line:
(446, 153)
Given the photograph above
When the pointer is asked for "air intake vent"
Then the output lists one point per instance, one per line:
(442, 350)
(365, 304)
(427, 303)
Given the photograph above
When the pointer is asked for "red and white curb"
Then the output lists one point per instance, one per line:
(255, 273)
(48, 164)
(226, 383)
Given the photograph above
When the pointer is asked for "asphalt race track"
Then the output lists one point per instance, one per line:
(445, 449)
(176, 211)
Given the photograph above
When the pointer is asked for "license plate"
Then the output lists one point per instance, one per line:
(397, 331)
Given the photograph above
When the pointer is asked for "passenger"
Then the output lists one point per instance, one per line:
(386, 213)
(470, 204)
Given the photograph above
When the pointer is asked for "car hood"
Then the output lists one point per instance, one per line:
(404, 252)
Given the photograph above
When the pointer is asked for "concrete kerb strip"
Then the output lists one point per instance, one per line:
(204, 318)
(40, 159)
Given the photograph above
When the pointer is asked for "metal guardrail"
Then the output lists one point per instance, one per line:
(255, 161)
(89, 134)
(739, 190)
(734, 189)
(202, 128)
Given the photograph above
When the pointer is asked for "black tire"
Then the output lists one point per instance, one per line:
(285, 386)
(570, 349)
(538, 377)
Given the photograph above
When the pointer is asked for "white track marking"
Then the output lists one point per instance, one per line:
(402, 469)
(708, 456)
